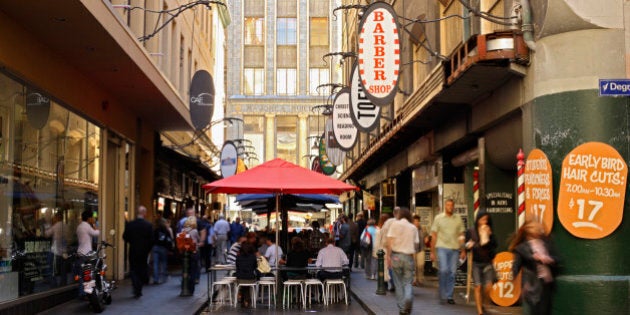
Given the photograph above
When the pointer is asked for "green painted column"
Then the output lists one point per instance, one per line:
(594, 275)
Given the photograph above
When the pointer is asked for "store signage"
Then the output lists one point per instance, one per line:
(614, 87)
(201, 99)
(369, 201)
(507, 290)
(539, 189)
(335, 154)
(328, 168)
(345, 131)
(592, 190)
(37, 108)
(379, 53)
(229, 159)
(500, 202)
(364, 114)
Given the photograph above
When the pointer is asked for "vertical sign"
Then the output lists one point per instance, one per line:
(333, 149)
(507, 290)
(592, 190)
(344, 130)
(379, 53)
(201, 99)
(538, 189)
(365, 115)
(229, 159)
(328, 168)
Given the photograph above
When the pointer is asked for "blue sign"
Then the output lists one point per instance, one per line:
(614, 87)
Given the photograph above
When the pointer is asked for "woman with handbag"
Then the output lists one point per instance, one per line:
(483, 244)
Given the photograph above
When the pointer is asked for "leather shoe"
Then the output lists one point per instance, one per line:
(450, 301)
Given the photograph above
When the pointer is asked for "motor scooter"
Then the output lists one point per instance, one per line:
(92, 270)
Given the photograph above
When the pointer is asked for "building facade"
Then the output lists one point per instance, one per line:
(91, 93)
(479, 82)
(274, 69)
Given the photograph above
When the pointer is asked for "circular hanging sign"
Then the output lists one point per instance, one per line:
(37, 108)
(328, 168)
(507, 290)
(201, 99)
(592, 190)
(333, 149)
(363, 112)
(229, 159)
(379, 53)
(344, 130)
(539, 189)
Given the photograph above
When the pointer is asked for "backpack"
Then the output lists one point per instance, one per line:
(185, 243)
(366, 240)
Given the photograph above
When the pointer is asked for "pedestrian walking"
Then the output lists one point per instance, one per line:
(419, 257)
(221, 230)
(353, 229)
(359, 256)
(483, 244)
(379, 244)
(139, 234)
(447, 240)
(402, 239)
(162, 244)
(190, 230)
(384, 231)
(535, 254)
(366, 249)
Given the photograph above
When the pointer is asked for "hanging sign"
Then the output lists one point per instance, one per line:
(364, 114)
(379, 53)
(344, 130)
(592, 190)
(201, 99)
(333, 149)
(229, 159)
(37, 108)
(538, 189)
(507, 290)
(315, 165)
(328, 168)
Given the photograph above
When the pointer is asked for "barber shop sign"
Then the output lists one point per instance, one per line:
(379, 53)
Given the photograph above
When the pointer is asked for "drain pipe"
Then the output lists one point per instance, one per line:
(527, 27)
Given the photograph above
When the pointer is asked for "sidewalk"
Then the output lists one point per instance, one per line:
(425, 299)
(156, 299)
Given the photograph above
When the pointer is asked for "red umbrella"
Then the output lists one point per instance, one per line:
(280, 177)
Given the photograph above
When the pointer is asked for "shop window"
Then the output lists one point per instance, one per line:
(49, 162)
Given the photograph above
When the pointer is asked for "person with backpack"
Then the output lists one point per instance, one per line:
(367, 243)
(162, 244)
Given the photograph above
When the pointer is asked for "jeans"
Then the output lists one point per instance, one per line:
(448, 266)
(221, 249)
(160, 257)
(403, 272)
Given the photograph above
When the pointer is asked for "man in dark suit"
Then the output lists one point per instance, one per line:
(139, 234)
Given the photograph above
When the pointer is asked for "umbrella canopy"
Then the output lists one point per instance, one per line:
(278, 176)
(299, 197)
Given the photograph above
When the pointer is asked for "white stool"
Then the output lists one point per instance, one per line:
(334, 285)
(287, 292)
(308, 284)
(221, 284)
(271, 291)
(253, 286)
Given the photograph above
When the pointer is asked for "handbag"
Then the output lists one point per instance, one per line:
(263, 265)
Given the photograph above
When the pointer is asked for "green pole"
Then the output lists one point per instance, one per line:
(380, 287)
(185, 290)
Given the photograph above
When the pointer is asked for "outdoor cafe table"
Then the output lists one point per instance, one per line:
(311, 270)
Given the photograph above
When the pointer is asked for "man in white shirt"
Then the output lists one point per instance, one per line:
(402, 238)
(221, 230)
(85, 232)
(271, 254)
(332, 258)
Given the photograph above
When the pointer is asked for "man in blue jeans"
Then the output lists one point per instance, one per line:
(447, 238)
(402, 239)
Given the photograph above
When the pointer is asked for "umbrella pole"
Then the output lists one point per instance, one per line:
(277, 258)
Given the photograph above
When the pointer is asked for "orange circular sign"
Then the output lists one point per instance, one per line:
(507, 290)
(592, 190)
(538, 189)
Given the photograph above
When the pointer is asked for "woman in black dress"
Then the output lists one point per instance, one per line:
(246, 264)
